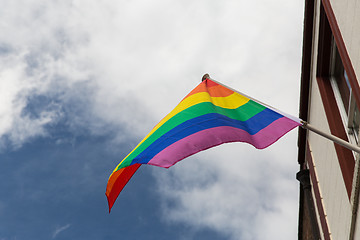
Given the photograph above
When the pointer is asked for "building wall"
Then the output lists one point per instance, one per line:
(335, 200)
(334, 197)
(347, 13)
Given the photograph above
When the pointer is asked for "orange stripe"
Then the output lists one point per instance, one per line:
(219, 91)
(117, 182)
(214, 89)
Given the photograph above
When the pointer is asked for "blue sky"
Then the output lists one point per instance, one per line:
(56, 191)
(82, 82)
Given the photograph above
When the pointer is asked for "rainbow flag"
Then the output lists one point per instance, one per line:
(208, 116)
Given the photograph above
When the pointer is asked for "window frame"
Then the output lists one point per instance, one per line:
(347, 109)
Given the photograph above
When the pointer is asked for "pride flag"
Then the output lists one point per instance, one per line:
(208, 116)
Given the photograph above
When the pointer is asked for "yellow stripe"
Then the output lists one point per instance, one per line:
(232, 101)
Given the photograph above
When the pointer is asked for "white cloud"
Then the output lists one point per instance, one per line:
(235, 189)
(15, 89)
(123, 51)
(58, 230)
(106, 65)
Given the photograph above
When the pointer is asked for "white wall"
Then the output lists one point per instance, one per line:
(332, 187)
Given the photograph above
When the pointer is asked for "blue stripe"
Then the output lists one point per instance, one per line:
(211, 120)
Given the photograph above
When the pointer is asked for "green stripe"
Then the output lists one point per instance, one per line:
(241, 113)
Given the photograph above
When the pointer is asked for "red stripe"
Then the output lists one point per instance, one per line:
(117, 182)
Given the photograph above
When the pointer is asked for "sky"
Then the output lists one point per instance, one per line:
(83, 81)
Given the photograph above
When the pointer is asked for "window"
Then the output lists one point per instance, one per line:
(340, 82)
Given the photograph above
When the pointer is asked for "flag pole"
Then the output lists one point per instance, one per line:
(304, 124)
(296, 119)
(333, 138)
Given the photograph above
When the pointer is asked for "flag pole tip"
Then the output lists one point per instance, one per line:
(304, 123)
(206, 75)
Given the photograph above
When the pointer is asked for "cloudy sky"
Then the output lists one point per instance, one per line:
(83, 81)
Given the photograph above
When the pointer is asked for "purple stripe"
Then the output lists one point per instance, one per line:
(215, 136)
